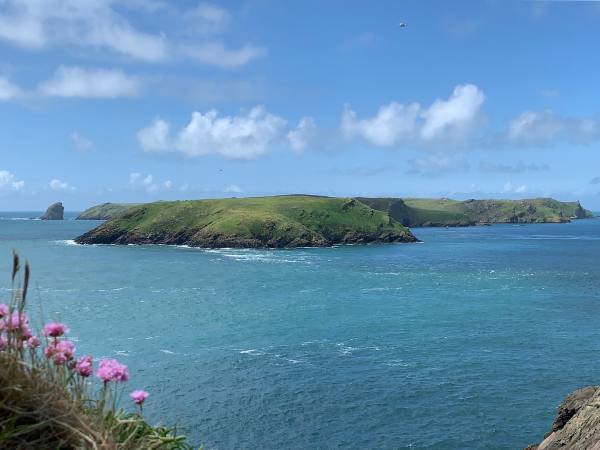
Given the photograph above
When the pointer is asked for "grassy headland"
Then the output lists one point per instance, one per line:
(260, 222)
(419, 212)
(105, 211)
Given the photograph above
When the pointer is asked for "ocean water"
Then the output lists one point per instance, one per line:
(468, 340)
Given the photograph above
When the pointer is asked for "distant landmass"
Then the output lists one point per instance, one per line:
(419, 212)
(260, 222)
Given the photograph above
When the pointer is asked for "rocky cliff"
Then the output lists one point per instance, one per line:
(577, 423)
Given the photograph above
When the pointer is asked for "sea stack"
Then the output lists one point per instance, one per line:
(55, 211)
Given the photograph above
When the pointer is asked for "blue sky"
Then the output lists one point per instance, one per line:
(102, 100)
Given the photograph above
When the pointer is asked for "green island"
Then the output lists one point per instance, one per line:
(260, 222)
(306, 221)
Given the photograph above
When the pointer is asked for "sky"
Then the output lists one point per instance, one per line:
(112, 101)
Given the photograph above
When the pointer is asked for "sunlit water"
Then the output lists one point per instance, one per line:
(466, 341)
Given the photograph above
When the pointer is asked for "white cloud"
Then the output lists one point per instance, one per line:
(216, 54)
(237, 137)
(8, 182)
(437, 165)
(302, 135)
(445, 121)
(233, 189)
(80, 142)
(37, 24)
(510, 188)
(208, 18)
(8, 91)
(145, 182)
(90, 83)
(60, 186)
(541, 128)
(155, 137)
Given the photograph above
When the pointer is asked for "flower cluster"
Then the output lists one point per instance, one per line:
(14, 330)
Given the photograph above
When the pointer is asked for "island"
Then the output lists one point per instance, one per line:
(285, 221)
(105, 211)
(444, 212)
(419, 212)
(55, 211)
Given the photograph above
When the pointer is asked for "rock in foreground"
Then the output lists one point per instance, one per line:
(262, 222)
(577, 423)
(56, 211)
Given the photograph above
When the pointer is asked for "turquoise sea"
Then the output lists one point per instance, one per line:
(468, 340)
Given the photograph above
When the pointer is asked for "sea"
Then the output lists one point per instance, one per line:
(467, 340)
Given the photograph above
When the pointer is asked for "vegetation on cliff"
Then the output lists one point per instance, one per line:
(418, 212)
(260, 222)
(48, 398)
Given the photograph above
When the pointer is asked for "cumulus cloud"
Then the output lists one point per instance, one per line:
(437, 165)
(8, 91)
(510, 188)
(216, 54)
(90, 83)
(9, 182)
(540, 128)
(60, 186)
(520, 167)
(238, 137)
(305, 133)
(37, 24)
(80, 142)
(395, 124)
(233, 189)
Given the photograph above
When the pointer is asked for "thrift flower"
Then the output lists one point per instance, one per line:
(33, 342)
(84, 366)
(3, 310)
(67, 348)
(112, 370)
(55, 329)
(139, 396)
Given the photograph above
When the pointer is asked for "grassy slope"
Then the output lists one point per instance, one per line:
(431, 212)
(105, 211)
(281, 221)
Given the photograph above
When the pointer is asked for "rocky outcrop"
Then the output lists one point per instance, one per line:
(577, 423)
(56, 211)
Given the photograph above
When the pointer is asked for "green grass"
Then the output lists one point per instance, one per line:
(279, 221)
(105, 211)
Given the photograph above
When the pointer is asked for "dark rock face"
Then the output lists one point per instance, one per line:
(577, 423)
(56, 211)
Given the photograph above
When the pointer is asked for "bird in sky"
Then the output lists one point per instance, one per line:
(402, 24)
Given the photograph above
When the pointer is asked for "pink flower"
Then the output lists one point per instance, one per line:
(55, 329)
(139, 396)
(112, 370)
(60, 351)
(3, 310)
(33, 342)
(84, 366)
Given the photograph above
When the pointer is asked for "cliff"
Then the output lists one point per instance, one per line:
(260, 222)
(105, 211)
(577, 424)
